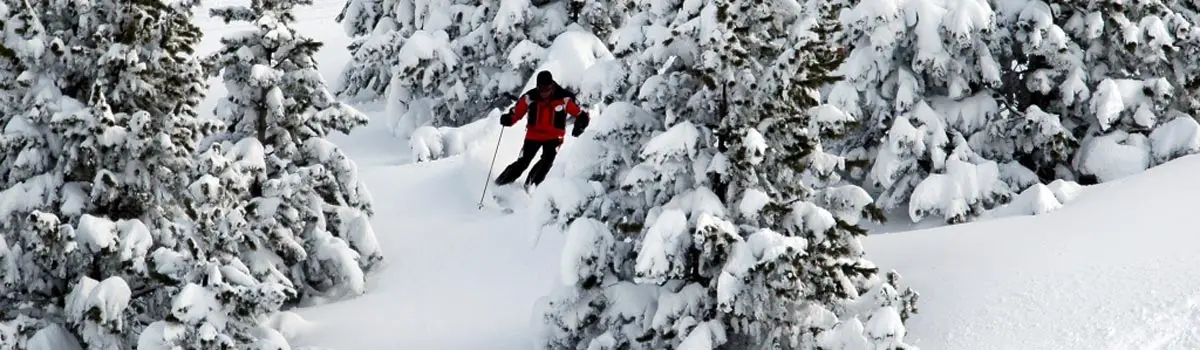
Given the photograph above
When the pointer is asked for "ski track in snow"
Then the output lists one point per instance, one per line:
(458, 278)
(450, 267)
(451, 270)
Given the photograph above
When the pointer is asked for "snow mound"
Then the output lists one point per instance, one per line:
(1178, 137)
(430, 143)
(571, 57)
(1114, 269)
(53, 337)
(1115, 155)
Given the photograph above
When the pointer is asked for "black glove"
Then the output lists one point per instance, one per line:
(506, 119)
(581, 123)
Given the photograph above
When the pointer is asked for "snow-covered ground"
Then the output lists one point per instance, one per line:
(457, 278)
(1118, 267)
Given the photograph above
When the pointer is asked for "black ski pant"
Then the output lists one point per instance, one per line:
(513, 171)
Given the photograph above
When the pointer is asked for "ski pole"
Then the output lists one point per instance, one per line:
(488, 180)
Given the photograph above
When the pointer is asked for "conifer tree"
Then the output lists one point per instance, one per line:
(30, 100)
(1186, 70)
(100, 151)
(922, 84)
(448, 62)
(221, 285)
(427, 32)
(723, 223)
(308, 210)
(1111, 75)
(35, 268)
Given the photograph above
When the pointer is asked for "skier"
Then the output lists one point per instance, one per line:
(547, 107)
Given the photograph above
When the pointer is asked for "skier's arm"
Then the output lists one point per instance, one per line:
(581, 117)
(517, 112)
(520, 109)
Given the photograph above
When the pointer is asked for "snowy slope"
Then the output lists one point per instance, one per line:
(457, 277)
(1116, 268)
(451, 268)
(454, 269)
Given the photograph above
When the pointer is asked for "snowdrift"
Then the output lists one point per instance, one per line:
(430, 143)
(1119, 268)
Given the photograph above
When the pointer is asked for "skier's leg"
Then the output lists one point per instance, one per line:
(514, 170)
(539, 171)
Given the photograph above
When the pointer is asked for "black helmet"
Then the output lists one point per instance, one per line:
(544, 79)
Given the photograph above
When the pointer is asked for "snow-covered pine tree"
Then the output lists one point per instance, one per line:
(223, 278)
(148, 140)
(1110, 74)
(147, 81)
(309, 211)
(10, 67)
(601, 17)
(371, 25)
(598, 304)
(439, 81)
(92, 186)
(723, 223)
(448, 62)
(1187, 69)
(921, 82)
(415, 39)
(32, 99)
(519, 38)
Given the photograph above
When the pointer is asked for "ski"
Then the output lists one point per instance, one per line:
(507, 197)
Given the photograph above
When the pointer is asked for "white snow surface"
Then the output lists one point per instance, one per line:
(53, 337)
(1115, 269)
(1115, 266)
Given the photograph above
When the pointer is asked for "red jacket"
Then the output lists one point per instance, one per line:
(548, 118)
